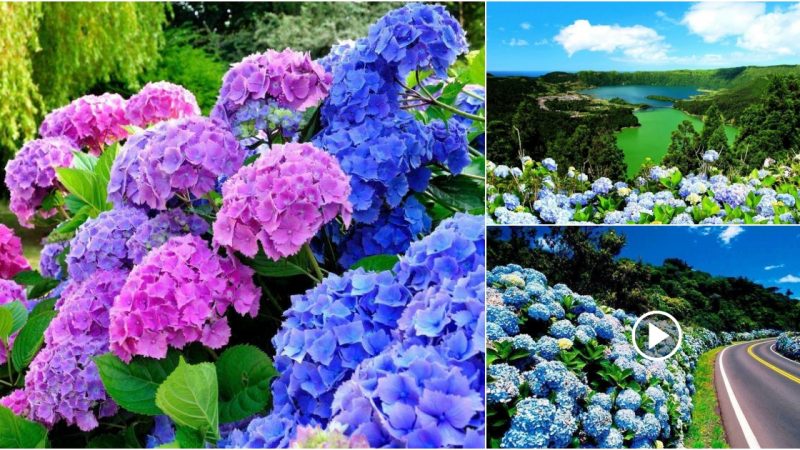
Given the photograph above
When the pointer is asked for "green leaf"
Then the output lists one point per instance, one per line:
(6, 322)
(28, 278)
(43, 307)
(461, 193)
(83, 161)
(19, 315)
(186, 437)
(133, 386)
(244, 373)
(38, 284)
(190, 397)
(76, 221)
(30, 339)
(107, 441)
(16, 432)
(376, 263)
(285, 267)
(73, 203)
(81, 184)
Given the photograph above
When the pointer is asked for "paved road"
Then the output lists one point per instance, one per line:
(759, 396)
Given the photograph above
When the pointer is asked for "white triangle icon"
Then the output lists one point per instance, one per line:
(655, 336)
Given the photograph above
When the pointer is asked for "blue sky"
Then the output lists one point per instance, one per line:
(573, 36)
(768, 255)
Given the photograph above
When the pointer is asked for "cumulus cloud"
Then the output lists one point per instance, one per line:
(514, 42)
(789, 279)
(777, 32)
(729, 233)
(714, 21)
(525, 25)
(637, 42)
(777, 266)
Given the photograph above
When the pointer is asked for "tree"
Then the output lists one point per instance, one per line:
(683, 151)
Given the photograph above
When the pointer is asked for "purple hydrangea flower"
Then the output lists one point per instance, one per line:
(291, 78)
(17, 402)
(179, 294)
(91, 121)
(160, 101)
(156, 231)
(63, 382)
(176, 157)
(48, 261)
(282, 200)
(11, 259)
(31, 176)
(99, 243)
(450, 144)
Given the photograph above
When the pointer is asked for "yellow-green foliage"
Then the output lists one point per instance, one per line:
(21, 101)
(87, 43)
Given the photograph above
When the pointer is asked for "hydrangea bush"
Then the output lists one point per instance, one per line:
(263, 277)
(788, 345)
(537, 193)
(563, 371)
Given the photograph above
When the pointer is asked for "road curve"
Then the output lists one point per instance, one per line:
(759, 396)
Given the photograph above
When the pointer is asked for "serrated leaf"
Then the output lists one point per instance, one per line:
(376, 263)
(460, 192)
(73, 203)
(69, 226)
(244, 373)
(186, 437)
(133, 386)
(79, 183)
(285, 267)
(6, 322)
(43, 306)
(16, 432)
(83, 161)
(30, 339)
(19, 315)
(190, 397)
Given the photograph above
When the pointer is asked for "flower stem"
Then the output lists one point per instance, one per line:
(313, 260)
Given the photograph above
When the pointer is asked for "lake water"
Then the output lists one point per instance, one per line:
(652, 138)
(638, 94)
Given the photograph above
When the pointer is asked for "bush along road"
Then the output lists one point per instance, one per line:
(759, 393)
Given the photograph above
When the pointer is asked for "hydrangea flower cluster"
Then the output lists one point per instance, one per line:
(176, 157)
(332, 437)
(179, 294)
(157, 231)
(63, 382)
(379, 144)
(372, 324)
(11, 259)
(31, 176)
(282, 200)
(658, 195)
(788, 345)
(471, 100)
(257, 85)
(539, 324)
(49, 265)
(101, 243)
(160, 101)
(91, 121)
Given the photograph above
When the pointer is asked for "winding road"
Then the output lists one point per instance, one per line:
(759, 396)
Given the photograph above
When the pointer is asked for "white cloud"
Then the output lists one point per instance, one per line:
(541, 42)
(638, 43)
(778, 266)
(525, 25)
(729, 233)
(514, 42)
(789, 279)
(755, 30)
(714, 21)
(665, 17)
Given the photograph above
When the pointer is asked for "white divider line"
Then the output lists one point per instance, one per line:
(752, 442)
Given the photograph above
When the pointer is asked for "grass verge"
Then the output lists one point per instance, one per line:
(706, 430)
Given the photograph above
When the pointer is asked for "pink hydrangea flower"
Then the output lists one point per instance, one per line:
(177, 295)
(292, 78)
(31, 175)
(160, 101)
(180, 156)
(11, 260)
(91, 121)
(282, 200)
(17, 402)
(9, 292)
(63, 382)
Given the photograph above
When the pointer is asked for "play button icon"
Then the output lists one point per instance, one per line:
(657, 335)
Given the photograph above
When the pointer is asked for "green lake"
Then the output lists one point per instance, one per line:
(652, 138)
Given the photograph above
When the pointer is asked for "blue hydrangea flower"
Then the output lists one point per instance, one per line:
(562, 329)
(505, 383)
(550, 164)
(539, 312)
(596, 421)
(629, 399)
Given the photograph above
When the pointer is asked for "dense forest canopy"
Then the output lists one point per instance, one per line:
(587, 260)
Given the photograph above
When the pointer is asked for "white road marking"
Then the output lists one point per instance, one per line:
(772, 349)
(752, 442)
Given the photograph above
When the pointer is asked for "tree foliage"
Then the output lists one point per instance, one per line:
(587, 260)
